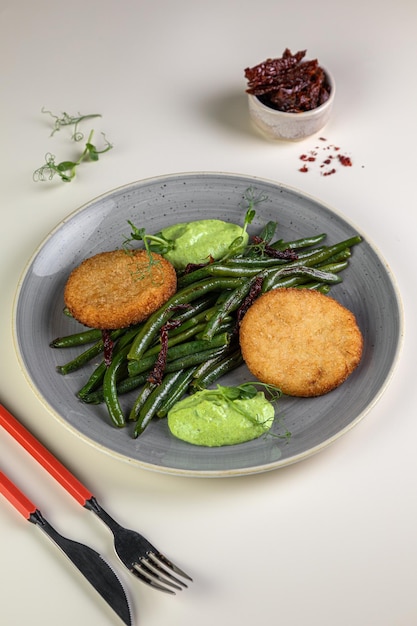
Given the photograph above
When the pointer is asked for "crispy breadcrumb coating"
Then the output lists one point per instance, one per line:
(119, 288)
(300, 340)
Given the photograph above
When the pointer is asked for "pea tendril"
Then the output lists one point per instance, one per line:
(66, 170)
(159, 244)
(70, 120)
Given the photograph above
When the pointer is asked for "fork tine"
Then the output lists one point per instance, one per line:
(153, 569)
(156, 577)
(150, 579)
(161, 559)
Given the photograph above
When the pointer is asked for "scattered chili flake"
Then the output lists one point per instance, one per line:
(332, 157)
(345, 160)
(288, 83)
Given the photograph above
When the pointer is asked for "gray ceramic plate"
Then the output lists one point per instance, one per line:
(368, 290)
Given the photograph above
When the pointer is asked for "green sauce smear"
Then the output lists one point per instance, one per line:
(223, 416)
(197, 242)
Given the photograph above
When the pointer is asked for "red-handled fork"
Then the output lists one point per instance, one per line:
(135, 552)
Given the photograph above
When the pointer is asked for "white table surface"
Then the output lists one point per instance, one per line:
(330, 541)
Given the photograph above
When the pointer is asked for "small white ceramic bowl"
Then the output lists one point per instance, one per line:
(275, 124)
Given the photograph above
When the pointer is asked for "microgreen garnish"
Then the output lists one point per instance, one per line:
(154, 243)
(70, 120)
(245, 391)
(66, 170)
(250, 200)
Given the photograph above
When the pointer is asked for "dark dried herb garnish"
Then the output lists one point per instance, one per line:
(108, 345)
(254, 292)
(287, 255)
(192, 267)
(289, 83)
(158, 369)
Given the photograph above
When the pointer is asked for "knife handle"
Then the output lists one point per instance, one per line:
(45, 458)
(16, 497)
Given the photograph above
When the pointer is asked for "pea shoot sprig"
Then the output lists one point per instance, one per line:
(158, 243)
(239, 243)
(154, 243)
(245, 391)
(69, 120)
(66, 170)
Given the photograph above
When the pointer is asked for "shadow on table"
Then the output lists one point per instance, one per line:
(230, 110)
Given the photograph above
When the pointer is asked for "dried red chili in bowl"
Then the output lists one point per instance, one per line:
(289, 97)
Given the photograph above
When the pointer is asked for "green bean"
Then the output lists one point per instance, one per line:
(97, 376)
(110, 387)
(95, 380)
(250, 265)
(227, 325)
(77, 339)
(177, 339)
(173, 367)
(195, 358)
(315, 286)
(188, 312)
(231, 303)
(268, 231)
(241, 271)
(144, 394)
(201, 316)
(323, 288)
(296, 244)
(124, 386)
(177, 352)
(89, 354)
(273, 278)
(334, 267)
(327, 253)
(177, 392)
(184, 296)
(192, 277)
(258, 261)
(155, 400)
(144, 364)
(226, 365)
(207, 365)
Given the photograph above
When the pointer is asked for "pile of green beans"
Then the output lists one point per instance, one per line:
(204, 345)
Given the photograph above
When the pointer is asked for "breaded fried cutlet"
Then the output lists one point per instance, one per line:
(301, 341)
(119, 288)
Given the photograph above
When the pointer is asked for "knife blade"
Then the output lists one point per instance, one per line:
(93, 567)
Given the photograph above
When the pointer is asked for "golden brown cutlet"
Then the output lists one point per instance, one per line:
(300, 340)
(119, 288)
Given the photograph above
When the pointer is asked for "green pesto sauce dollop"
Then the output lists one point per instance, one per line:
(195, 242)
(208, 419)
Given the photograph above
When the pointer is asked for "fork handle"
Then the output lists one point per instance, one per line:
(45, 458)
(16, 497)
